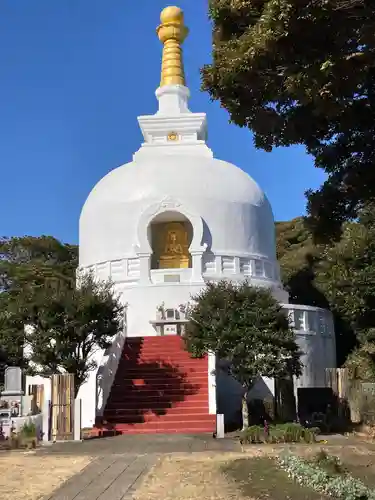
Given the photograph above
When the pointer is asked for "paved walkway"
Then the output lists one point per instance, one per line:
(122, 461)
(106, 478)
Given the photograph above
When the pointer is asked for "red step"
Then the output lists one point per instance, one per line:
(143, 429)
(174, 410)
(179, 427)
(171, 419)
(157, 368)
(138, 384)
(157, 404)
(152, 401)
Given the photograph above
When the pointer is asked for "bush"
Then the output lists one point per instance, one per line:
(28, 430)
(278, 433)
(317, 475)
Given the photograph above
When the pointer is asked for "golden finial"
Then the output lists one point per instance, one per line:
(172, 32)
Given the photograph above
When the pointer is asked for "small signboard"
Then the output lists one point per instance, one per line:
(172, 278)
(170, 329)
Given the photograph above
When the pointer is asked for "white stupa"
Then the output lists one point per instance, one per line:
(175, 217)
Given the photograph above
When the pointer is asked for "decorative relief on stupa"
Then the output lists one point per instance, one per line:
(172, 136)
(167, 203)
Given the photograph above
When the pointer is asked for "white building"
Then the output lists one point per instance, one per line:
(174, 217)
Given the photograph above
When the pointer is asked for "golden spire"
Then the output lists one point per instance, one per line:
(172, 32)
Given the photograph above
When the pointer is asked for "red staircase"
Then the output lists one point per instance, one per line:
(158, 388)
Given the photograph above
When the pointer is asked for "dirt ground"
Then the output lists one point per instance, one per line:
(183, 477)
(27, 476)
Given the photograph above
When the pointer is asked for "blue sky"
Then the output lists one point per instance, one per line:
(75, 74)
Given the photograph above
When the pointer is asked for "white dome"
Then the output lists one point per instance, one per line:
(237, 217)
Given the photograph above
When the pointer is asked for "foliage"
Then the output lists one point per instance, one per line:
(245, 326)
(69, 324)
(66, 324)
(340, 277)
(346, 274)
(28, 260)
(28, 430)
(302, 72)
(312, 475)
(278, 433)
(25, 263)
(361, 362)
(298, 255)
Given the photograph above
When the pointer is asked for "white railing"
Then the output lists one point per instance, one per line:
(107, 371)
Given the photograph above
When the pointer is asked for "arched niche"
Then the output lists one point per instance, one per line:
(168, 208)
(170, 234)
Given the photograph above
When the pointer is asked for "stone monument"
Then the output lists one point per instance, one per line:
(13, 384)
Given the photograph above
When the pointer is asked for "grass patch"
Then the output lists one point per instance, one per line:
(260, 478)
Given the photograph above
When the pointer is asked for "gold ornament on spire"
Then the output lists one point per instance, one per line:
(172, 32)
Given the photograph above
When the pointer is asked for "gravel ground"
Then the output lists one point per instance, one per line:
(27, 476)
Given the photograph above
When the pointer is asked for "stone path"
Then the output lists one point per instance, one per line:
(122, 462)
(113, 477)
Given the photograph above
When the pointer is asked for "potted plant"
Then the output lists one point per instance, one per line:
(160, 311)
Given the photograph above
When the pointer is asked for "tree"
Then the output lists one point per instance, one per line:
(307, 274)
(26, 264)
(29, 258)
(245, 326)
(67, 326)
(298, 255)
(340, 277)
(361, 362)
(346, 275)
(303, 72)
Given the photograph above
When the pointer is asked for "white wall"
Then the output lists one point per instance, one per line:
(39, 380)
(316, 338)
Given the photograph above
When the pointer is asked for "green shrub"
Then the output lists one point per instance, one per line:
(278, 433)
(28, 430)
(253, 434)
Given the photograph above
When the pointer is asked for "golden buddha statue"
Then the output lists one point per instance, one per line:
(176, 251)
